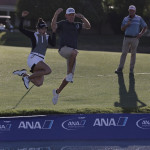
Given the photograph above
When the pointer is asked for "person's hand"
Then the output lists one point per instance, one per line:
(25, 13)
(139, 36)
(129, 22)
(58, 11)
(78, 15)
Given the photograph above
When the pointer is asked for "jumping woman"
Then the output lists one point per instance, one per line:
(40, 40)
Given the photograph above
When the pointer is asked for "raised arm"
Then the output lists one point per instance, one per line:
(24, 14)
(86, 23)
(24, 31)
(54, 19)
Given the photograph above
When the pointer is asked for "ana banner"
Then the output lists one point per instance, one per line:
(75, 127)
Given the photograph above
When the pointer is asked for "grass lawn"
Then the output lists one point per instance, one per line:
(96, 88)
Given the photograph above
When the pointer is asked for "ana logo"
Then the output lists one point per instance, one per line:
(110, 121)
(77, 26)
(36, 124)
(143, 123)
(5, 126)
(74, 124)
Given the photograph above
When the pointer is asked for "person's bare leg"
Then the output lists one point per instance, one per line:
(38, 81)
(63, 84)
(70, 66)
(72, 60)
(40, 69)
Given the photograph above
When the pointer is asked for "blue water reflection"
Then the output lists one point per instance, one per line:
(76, 145)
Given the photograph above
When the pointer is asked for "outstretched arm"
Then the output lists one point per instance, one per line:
(86, 23)
(54, 19)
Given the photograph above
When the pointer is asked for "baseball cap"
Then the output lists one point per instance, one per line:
(132, 7)
(70, 11)
(41, 24)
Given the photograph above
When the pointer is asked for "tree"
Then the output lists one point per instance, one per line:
(38, 8)
(92, 9)
(98, 12)
(117, 10)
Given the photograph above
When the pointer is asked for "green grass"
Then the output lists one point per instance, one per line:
(95, 88)
(14, 39)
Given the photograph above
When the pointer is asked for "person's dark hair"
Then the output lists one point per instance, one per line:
(41, 23)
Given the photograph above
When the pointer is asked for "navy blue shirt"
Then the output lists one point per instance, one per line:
(68, 33)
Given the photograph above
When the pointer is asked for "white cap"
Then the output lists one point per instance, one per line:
(132, 7)
(70, 11)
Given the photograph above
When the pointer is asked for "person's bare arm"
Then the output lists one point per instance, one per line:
(142, 32)
(54, 19)
(86, 23)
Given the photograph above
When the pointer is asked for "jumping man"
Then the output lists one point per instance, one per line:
(68, 35)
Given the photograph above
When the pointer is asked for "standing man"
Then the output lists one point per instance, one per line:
(134, 27)
(68, 35)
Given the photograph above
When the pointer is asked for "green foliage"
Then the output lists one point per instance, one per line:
(98, 12)
(122, 7)
(120, 10)
(92, 9)
(37, 9)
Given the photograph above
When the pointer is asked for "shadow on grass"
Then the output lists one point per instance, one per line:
(128, 99)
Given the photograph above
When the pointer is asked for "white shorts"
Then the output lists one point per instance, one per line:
(34, 58)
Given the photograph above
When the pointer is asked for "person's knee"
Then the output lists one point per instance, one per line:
(133, 52)
(74, 54)
(39, 83)
(124, 53)
(48, 71)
